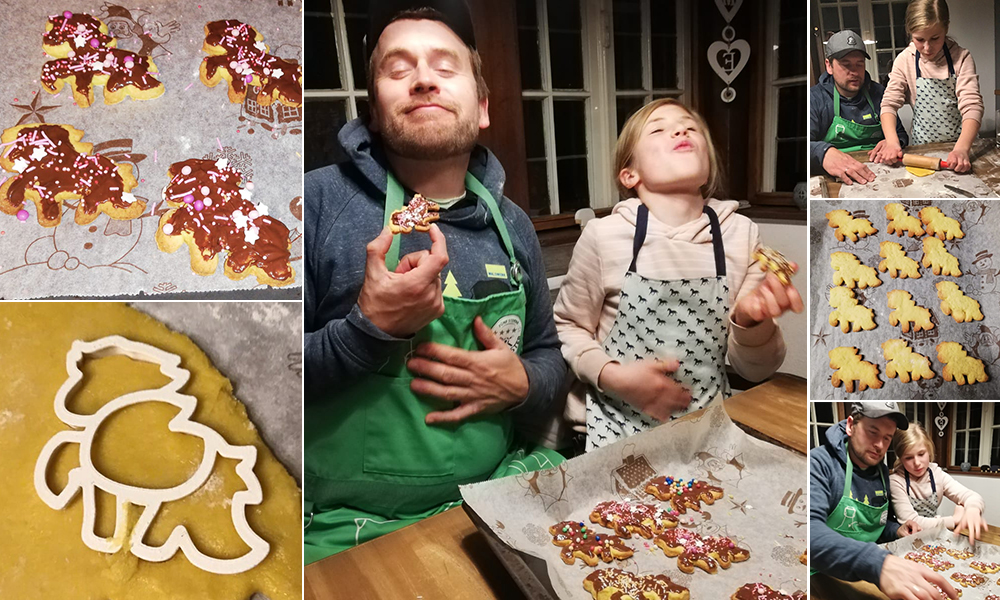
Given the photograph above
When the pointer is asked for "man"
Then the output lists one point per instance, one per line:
(420, 347)
(850, 510)
(844, 113)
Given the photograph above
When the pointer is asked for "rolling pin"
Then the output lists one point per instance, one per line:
(924, 162)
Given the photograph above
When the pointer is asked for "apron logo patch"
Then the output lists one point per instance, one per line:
(509, 329)
(496, 271)
(884, 518)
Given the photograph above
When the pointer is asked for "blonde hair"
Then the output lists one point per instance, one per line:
(921, 14)
(906, 439)
(629, 137)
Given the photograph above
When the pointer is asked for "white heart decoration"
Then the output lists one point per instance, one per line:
(729, 8)
(941, 422)
(740, 47)
(941, 405)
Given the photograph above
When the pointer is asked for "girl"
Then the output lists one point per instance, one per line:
(937, 77)
(657, 291)
(917, 484)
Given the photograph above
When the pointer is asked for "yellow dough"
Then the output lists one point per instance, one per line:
(918, 172)
(41, 549)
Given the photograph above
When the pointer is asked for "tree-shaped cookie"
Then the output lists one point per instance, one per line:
(900, 221)
(579, 541)
(848, 314)
(955, 303)
(896, 262)
(904, 362)
(848, 368)
(849, 271)
(959, 366)
(906, 311)
(626, 518)
(705, 553)
(941, 261)
(54, 166)
(683, 494)
(238, 55)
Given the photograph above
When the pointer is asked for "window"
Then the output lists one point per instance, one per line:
(914, 412)
(969, 420)
(889, 19)
(822, 416)
(880, 22)
(785, 111)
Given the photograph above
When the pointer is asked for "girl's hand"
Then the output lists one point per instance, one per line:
(770, 300)
(958, 160)
(886, 152)
(959, 512)
(646, 385)
(973, 520)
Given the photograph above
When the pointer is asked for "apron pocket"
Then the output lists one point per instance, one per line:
(397, 441)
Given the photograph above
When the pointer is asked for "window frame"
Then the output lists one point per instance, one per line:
(349, 90)
(774, 84)
(815, 423)
(866, 18)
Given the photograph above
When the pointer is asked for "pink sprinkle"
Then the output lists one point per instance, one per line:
(67, 14)
(217, 140)
(22, 215)
(189, 86)
(248, 78)
(94, 43)
(189, 198)
(155, 154)
(249, 185)
(199, 205)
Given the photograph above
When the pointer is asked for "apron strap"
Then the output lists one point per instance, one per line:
(393, 202)
(929, 472)
(850, 474)
(642, 221)
(836, 101)
(916, 61)
(947, 57)
(871, 105)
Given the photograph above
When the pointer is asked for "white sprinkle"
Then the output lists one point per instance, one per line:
(38, 154)
(20, 165)
(253, 214)
(207, 202)
(168, 229)
(205, 190)
(250, 235)
(128, 198)
(262, 209)
(222, 163)
(239, 219)
(245, 194)
(277, 73)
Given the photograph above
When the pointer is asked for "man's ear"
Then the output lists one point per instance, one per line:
(850, 425)
(484, 113)
(829, 66)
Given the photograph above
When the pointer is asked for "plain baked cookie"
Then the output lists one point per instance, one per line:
(939, 225)
(848, 314)
(896, 261)
(849, 271)
(941, 261)
(900, 221)
(906, 311)
(849, 227)
(959, 366)
(955, 303)
(903, 362)
(848, 368)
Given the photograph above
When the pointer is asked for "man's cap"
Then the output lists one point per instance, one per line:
(843, 43)
(453, 13)
(877, 410)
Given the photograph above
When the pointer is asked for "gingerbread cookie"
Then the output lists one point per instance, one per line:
(932, 548)
(211, 213)
(615, 584)
(238, 55)
(773, 261)
(417, 215)
(896, 261)
(985, 567)
(955, 303)
(959, 366)
(900, 221)
(848, 226)
(681, 494)
(86, 56)
(848, 367)
(762, 591)
(848, 314)
(990, 597)
(960, 554)
(906, 311)
(848, 270)
(944, 596)
(904, 362)
(705, 553)
(942, 261)
(54, 166)
(939, 225)
(626, 518)
(577, 541)
(969, 579)
(929, 560)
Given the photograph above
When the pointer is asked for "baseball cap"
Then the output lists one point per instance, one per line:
(453, 13)
(876, 410)
(843, 43)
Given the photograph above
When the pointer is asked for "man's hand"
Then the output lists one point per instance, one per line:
(847, 169)
(973, 520)
(646, 385)
(958, 159)
(771, 299)
(484, 381)
(403, 302)
(888, 153)
(906, 580)
(908, 528)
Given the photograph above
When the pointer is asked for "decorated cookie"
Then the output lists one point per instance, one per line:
(848, 314)
(621, 585)
(939, 225)
(969, 579)
(933, 548)
(985, 567)
(906, 311)
(944, 596)
(992, 597)
(682, 494)
(848, 226)
(804, 559)
(930, 560)
(211, 213)
(86, 56)
(626, 518)
(955, 303)
(901, 222)
(579, 541)
(238, 55)
(705, 553)
(904, 362)
(848, 368)
(417, 215)
(762, 591)
(960, 554)
(896, 261)
(54, 166)
(849, 271)
(773, 261)
(941, 261)
(959, 366)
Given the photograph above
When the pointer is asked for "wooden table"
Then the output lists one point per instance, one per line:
(446, 557)
(985, 162)
(823, 587)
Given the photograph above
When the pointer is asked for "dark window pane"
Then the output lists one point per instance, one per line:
(565, 50)
(564, 14)
(527, 13)
(663, 17)
(626, 105)
(959, 448)
(899, 23)
(974, 448)
(824, 412)
(319, 6)
(790, 165)
(960, 416)
(976, 414)
(883, 27)
(571, 127)
(527, 39)
(995, 454)
(534, 129)
(996, 417)
(574, 191)
(884, 66)
(322, 67)
(628, 61)
(538, 187)
(792, 111)
(627, 15)
(792, 39)
(831, 21)
(356, 20)
(325, 118)
(822, 434)
(849, 14)
(664, 61)
(363, 108)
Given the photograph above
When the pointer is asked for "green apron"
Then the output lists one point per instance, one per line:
(848, 136)
(372, 465)
(854, 519)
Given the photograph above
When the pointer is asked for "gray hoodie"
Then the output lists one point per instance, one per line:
(344, 206)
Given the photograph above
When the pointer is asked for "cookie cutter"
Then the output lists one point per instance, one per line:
(86, 478)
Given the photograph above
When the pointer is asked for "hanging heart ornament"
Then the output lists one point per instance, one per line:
(728, 59)
(729, 8)
(941, 422)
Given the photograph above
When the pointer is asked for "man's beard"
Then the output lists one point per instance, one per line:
(427, 139)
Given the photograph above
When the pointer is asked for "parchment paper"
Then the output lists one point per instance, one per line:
(897, 182)
(763, 509)
(939, 535)
(189, 120)
(980, 220)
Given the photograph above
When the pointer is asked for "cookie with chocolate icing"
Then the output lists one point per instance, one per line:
(762, 591)
(960, 554)
(579, 541)
(615, 584)
(86, 56)
(54, 166)
(705, 553)
(417, 215)
(626, 518)
(682, 494)
(985, 567)
(969, 579)
(932, 561)
(211, 213)
(237, 54)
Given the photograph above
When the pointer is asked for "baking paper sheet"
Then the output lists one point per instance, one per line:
(897, 182)
(980, 220)
(939, 535)
(763, 509)
(189, 120)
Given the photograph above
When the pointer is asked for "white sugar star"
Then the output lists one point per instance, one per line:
(128, 198)
(250, 235)
(79, 41)
(20, 165)
(38, 154)
(277, 73)
(222, 163)
(245, 194)
(239, 219)
(262, 209)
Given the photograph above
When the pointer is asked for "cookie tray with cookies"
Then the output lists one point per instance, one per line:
(544, 526)
(970, 570)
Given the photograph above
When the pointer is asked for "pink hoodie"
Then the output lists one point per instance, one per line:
(946, 486)
(902, 86)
